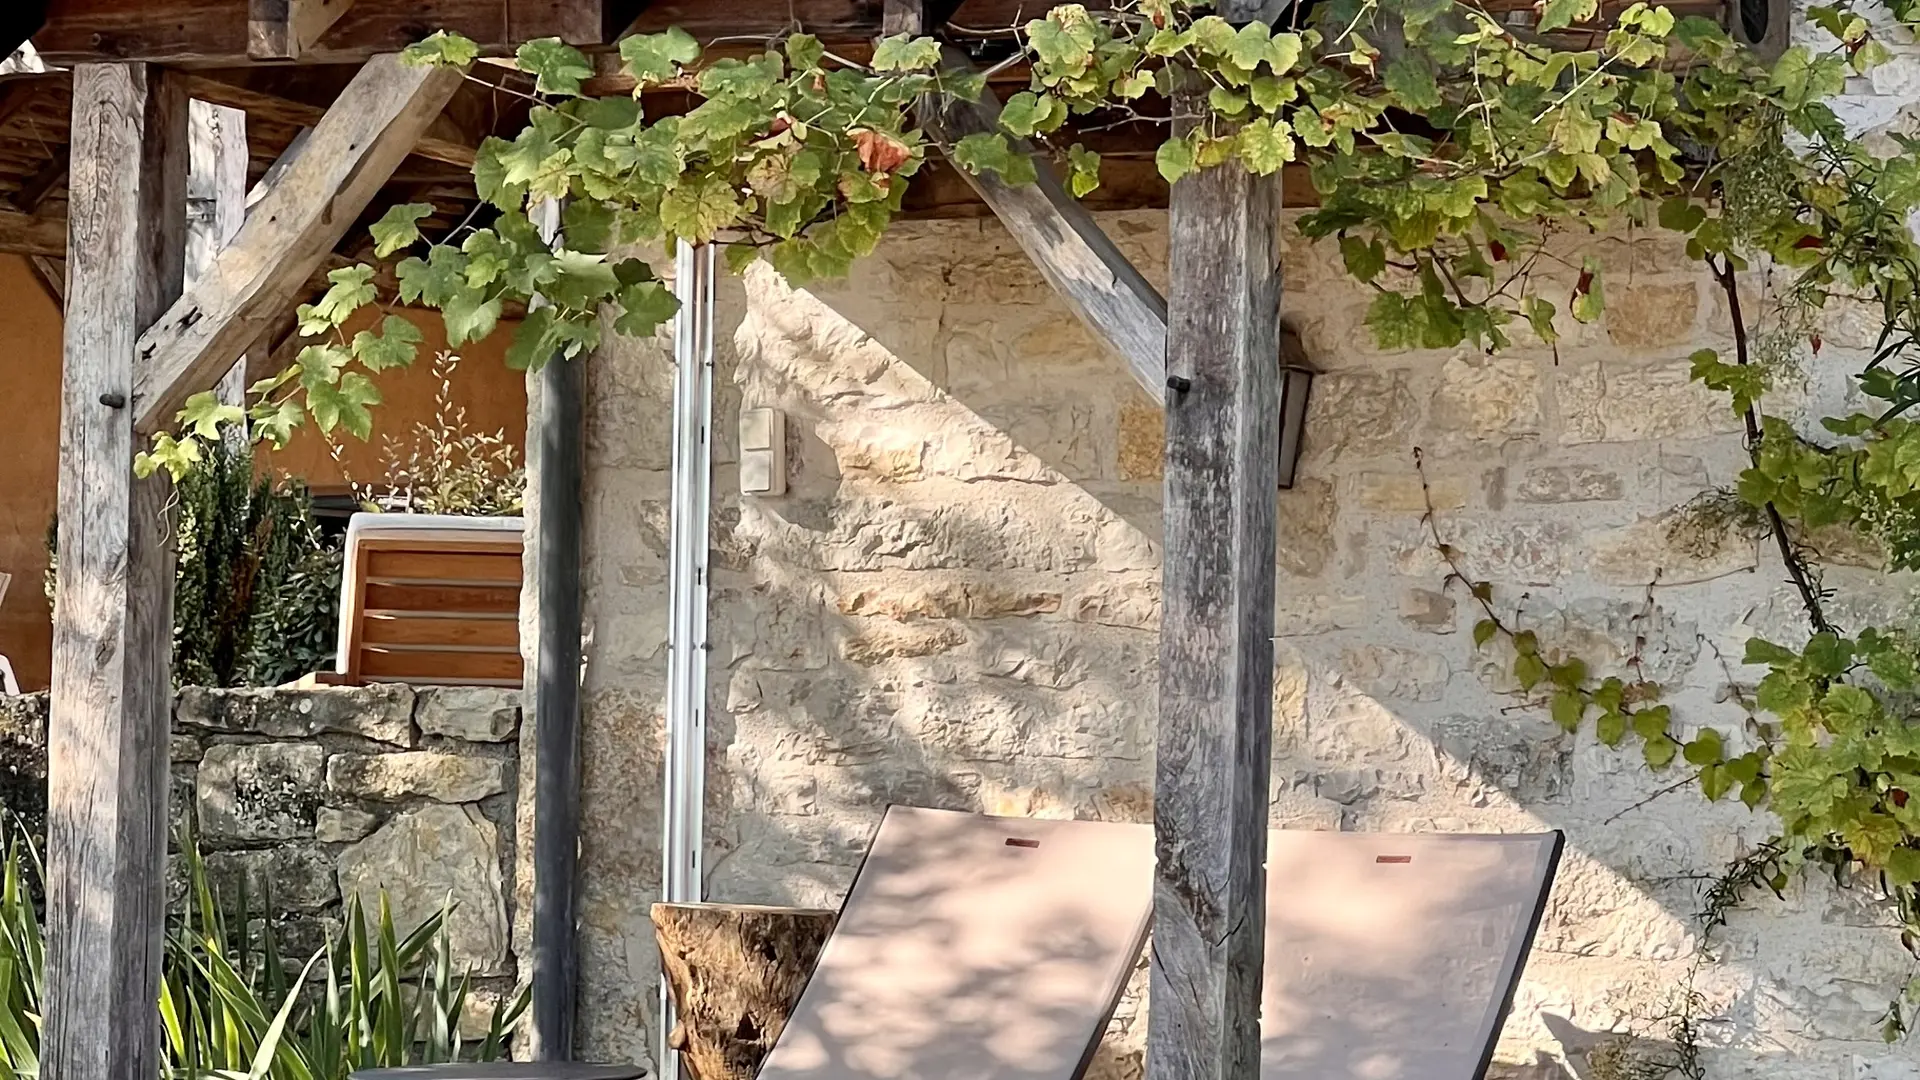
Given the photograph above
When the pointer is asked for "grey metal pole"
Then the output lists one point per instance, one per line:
(556, 705)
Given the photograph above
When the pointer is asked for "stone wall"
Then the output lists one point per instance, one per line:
(956, 605)
(305, 797)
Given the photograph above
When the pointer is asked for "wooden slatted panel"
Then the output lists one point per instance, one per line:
(435, 612)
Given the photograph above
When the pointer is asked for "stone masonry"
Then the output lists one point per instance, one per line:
(956, 604)
(305, 797)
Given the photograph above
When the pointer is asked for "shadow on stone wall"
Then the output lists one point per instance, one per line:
(955, 605)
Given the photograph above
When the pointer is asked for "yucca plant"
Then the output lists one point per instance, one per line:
(231, 1008)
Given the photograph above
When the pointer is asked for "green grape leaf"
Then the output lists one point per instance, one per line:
(204, 414)
(396, 345)
(1529, 670)
(1659, 751)
(441, 49)
(1264, 146)
(1483, 632)
(343, 404)
(804, 52)
(699, 207)
(1611, 728)
(1560, 14)
(1705, 749)
(1174, 159)
(1715, 783)
(656, 58)
(645, 305)
(399, 227)
(1568, 707)
(903, 52)
(558, 68)
(469, 315)
(1083, 171)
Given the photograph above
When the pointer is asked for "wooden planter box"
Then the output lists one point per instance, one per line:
(431, 600)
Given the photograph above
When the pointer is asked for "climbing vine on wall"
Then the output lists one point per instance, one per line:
(1458, 160)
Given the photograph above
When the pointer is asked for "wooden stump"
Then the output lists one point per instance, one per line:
(734, 971)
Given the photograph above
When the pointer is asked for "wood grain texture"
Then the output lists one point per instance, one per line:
(734, 972)
(351, 153)
(28, 234)
(285, 29)
(1080, 261)
(1216, 639)
(113, 621)
(216, 206)
(216, 32)
(272, 108)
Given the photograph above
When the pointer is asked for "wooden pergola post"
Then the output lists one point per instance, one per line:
(113, 623)
(113, 616)
(1215, 730)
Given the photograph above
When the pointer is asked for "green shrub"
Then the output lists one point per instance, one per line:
(257, 586)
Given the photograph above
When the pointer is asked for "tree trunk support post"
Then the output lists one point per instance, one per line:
(113, 621)
(1215, 730)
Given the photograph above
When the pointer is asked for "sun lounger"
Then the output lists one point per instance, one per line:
(981, 948)
(1394, 956)
(973, 948)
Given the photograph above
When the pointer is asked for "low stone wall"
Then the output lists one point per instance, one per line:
(310, 796)
(305, 797)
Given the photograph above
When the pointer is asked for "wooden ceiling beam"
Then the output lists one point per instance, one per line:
(284, 29)
(27, 234)
(298, 114)
(217, 33)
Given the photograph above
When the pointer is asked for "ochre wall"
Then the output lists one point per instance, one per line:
(495, 399)
(29, 462)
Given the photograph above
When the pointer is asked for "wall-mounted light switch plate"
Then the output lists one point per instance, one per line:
(763, 452)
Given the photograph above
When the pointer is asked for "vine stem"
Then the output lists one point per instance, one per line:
(1796, 566)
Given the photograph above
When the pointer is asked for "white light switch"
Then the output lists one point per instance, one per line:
(763, 452)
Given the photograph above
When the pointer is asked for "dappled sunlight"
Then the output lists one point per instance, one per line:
(956, 602)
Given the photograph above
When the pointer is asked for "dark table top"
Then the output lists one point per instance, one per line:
(508, 1070)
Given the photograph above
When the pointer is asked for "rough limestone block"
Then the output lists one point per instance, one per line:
(259, 791)
(425, 857)
(451, 778)
(342, 825)
(279, 880)
(381, 713)
(473, 713)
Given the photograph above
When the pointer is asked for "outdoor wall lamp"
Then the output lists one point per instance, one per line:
(1296, 381)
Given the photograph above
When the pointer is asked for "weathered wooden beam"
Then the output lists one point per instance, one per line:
(52, 275)
(1215, 730)
(298, 114)
(284, 29)
(352, 151)
(216, 208)
(1077, 258)
(734, 972)
(28, 234)
(218, 32)
(113, 612)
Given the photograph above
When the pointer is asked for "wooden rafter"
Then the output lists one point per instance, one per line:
(26, 234)
(1077, 258)
(197, 32)
(284, 29)
(271, 108)
(350, 154)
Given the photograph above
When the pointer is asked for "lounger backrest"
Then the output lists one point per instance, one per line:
(973, 948)
(1394, 956)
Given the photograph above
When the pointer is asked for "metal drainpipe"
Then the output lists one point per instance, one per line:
(556, 697)
(685, 768)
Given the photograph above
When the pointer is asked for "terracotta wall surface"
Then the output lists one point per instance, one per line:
(30, 331)
(29, 461)
(495, 399)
